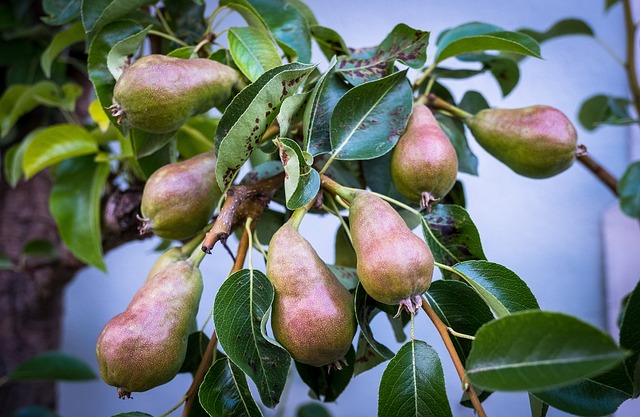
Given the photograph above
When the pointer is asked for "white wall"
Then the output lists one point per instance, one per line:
(547, 231)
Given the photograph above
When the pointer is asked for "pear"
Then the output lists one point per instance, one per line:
(312, 316)
(424, 164)
(178, 199)
(145, 345)
(394, 266)
(158, 93)
(536, 142)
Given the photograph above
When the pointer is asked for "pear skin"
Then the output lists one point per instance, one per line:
(394, 265)
(178, 199)
(145, 345)
(312, 315)
(424, 164)
(535, 142)
(158, 93)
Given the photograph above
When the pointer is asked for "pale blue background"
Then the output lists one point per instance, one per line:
(547, 231)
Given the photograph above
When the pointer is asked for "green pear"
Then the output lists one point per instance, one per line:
(395, 266)
(424, 164)
(312, 316)
(536, 141)
(179, 199)
(158, 93)
(145, 345)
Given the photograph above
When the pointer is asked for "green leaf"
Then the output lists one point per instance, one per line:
(610, 3)
(63, 98)
(196, 346)
(75, 206)
(145, 143)
(500, 288)
(41, 248)
(325, 95)
(366, 309)
(290, 112)
(629, 190)
(312, 410)
(301, 182)
(253, 51)
(248, 116)
(288, 26)
(366, 356)
(239, 314)
(451, 234)
(225, 392)
(605, 110)
(186, 19)
(103, 41)
(536, 350)
(454, 129)
(61, 41)
(369, 119)
(247, 11)
(563, 27)
(60, 11)
(476, 37)
(133, 414)
(18, 100)
(195, 136)
(118, 55)
(98, 13)
(413, 384)
(13, 159)
(403, 44)
(329, 41)
(52, 366)
(55, 144)
(473, 102)
(461, 309)
(630, 337)
(324, 384)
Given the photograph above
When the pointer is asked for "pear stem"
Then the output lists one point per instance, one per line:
(436, 102)
(299, 213)
(598, 170)
(169, 37)
(462, 373)
(346, 193)
(196, 258)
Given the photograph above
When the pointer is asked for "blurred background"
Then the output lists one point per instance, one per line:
(564, 236)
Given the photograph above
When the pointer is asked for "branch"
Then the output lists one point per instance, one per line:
(632, 71)
(462, 373)
(598, 170)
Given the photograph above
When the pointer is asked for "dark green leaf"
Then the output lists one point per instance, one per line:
(312, 410)
(629, 190)
(196, 345)
(240, 310)
(534, 350)
(454, 129)
(118, 56)
(133, 414)
(247, 11)
(147, 165)
(451, 234)
(60, 11)
(250, 113)
(500, 288)
(456, 74)
(561, 28)
(344, 253)
(301, 182)
(18, 100)
(75, 205)
(366, 356)
(403, 44)
(538, 408)
(413, 384)
(611, 3)
(186, 19)
(144, 143)
(55, 144)
(98, 13)
(630, 337)
(329, 41)
(604, 110)
(288, 26)
(369, 119)
(473, 102)
(366, 309)
(477, 37)
(270, 222)
(506, 73)
(40, 248)
(461, 309)
(304, 10)
(61, 41)
(225, 392)
(253, 51)
(324, 384)
(195, 136)
(34, 411)
(52, 366)
(265, 170)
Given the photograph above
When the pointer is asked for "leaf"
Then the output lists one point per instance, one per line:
(194, 137)
(348, 277)
(461, 309)
(288, 26)
(451, 234)
(60, 11)
(328, 90)
(247, 11)
(366, 309)
(248, 116)
(240, 309)
(289, 113)
(63, 98)
(403, 44)
(500, 288)
(225, 391)
(55, 144)
(145, 143)
(563, 27)
(366, 356)
(196, 346)
(98, 13)
(605, 110)
(118, 55)
(52, 365)
(476, 37)
(13, 158)
(413, 384)
(630, 337)
(18, 100)
(75, 205)
(41, 248)
(187, 19)
(536, 350)
(61, 41)
(312, 410)
(329, 41)
(301, 182)
(324, 384)
(132, 414)
(34, 411)
(473, 102)
(610, 3)
(454, 129)
(629, 190)
(253, 51)
(369, 119)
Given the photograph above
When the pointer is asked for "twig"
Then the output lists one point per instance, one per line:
(632, 70)
(598, 170)
(444, 334)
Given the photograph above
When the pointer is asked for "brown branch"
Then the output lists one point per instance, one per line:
(598, 170)
(632, 70)
(462, 373)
